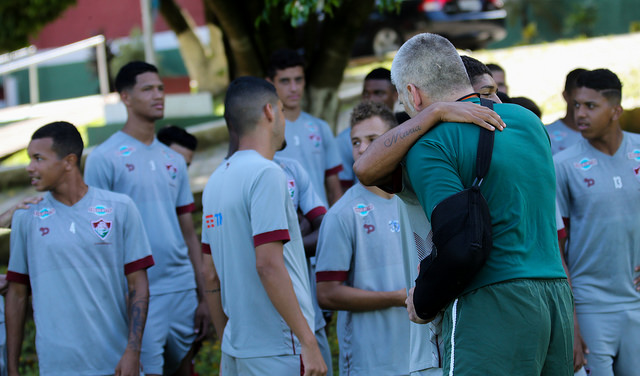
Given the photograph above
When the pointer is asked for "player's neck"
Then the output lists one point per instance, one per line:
(257, 144)
(379, 192)
(71, 190)
(292, 114)
(608, 143)
(142, 130)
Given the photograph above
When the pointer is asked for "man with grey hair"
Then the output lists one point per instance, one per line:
(523, 280)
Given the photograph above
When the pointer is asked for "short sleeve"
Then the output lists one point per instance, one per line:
(428, 164)
(310, 203)
(137, 251)
(18, 270)
(332, 161)
(343, 142)
(562, 189)
(335, 249)
(184, 202)
(98, 172)
(268, 200)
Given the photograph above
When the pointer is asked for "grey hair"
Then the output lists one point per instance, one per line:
(432, 64)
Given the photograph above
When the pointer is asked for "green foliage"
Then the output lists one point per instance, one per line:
(583, 18)
(133, 50)
(298, 11)
(22, 19)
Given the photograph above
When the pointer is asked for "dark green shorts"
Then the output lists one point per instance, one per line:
(517, 327)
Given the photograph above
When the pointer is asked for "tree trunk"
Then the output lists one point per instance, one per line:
(206, 64)
(330, 59)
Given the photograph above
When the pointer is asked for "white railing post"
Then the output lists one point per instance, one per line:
(34, 87)
(103, 76)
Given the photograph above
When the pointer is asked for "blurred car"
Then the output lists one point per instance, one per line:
(468, 24)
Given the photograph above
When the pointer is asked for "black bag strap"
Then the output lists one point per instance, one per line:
(485, 148)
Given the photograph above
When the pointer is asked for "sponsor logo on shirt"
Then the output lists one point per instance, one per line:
(291, 184)
(585, 164)
(636, 172)
(125, 151)
(635, 154)
(100, 210)
(394, 226)
(44, 213)
(213, 220)
(369, 228)
(311, 127)
(363, 209)
(130, 167)
(558, 135)
(44, 230)
(101, 228)
(589, 182)
(172, 170)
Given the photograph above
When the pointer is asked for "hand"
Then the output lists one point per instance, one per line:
(637, 280)
(579, 349)
(467, 112)
(129, 364)
(312, 360)
(411, 309)
(5, 218)
(202, 321)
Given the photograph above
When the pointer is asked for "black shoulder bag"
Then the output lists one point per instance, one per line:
(461, 226)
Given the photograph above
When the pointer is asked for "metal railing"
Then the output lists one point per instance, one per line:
(32, 60)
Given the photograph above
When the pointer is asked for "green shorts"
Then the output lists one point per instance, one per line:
(518, 327)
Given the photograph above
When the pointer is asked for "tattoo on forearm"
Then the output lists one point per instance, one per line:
(394, 138)
(212, 291)
(138, 307)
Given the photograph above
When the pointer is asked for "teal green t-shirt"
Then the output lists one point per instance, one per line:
(519, 189)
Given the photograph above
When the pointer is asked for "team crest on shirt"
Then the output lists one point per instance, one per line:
(363, 209)
(635, 154)
(125, 150)
(172, 170)
(394, 226)
(291, 184)
(585, 164)
(44, 213)
(558, 135)
(100, 210)
(102, 228)
(315, 139)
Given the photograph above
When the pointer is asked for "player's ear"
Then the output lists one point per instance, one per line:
(415, 97)
(269, 112)
(70, 161)
(617, 112)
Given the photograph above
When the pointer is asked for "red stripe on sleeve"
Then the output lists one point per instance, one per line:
(18, 277)
(315, 213)
(333, 170)
(143, 263)
(272, 236)
(206, 248)
(562, 234)
(332, 276)
(190, 208)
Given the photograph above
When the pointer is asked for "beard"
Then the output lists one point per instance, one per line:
(284, 145)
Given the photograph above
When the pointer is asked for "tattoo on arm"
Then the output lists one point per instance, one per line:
(138, 307)
(392, 139)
